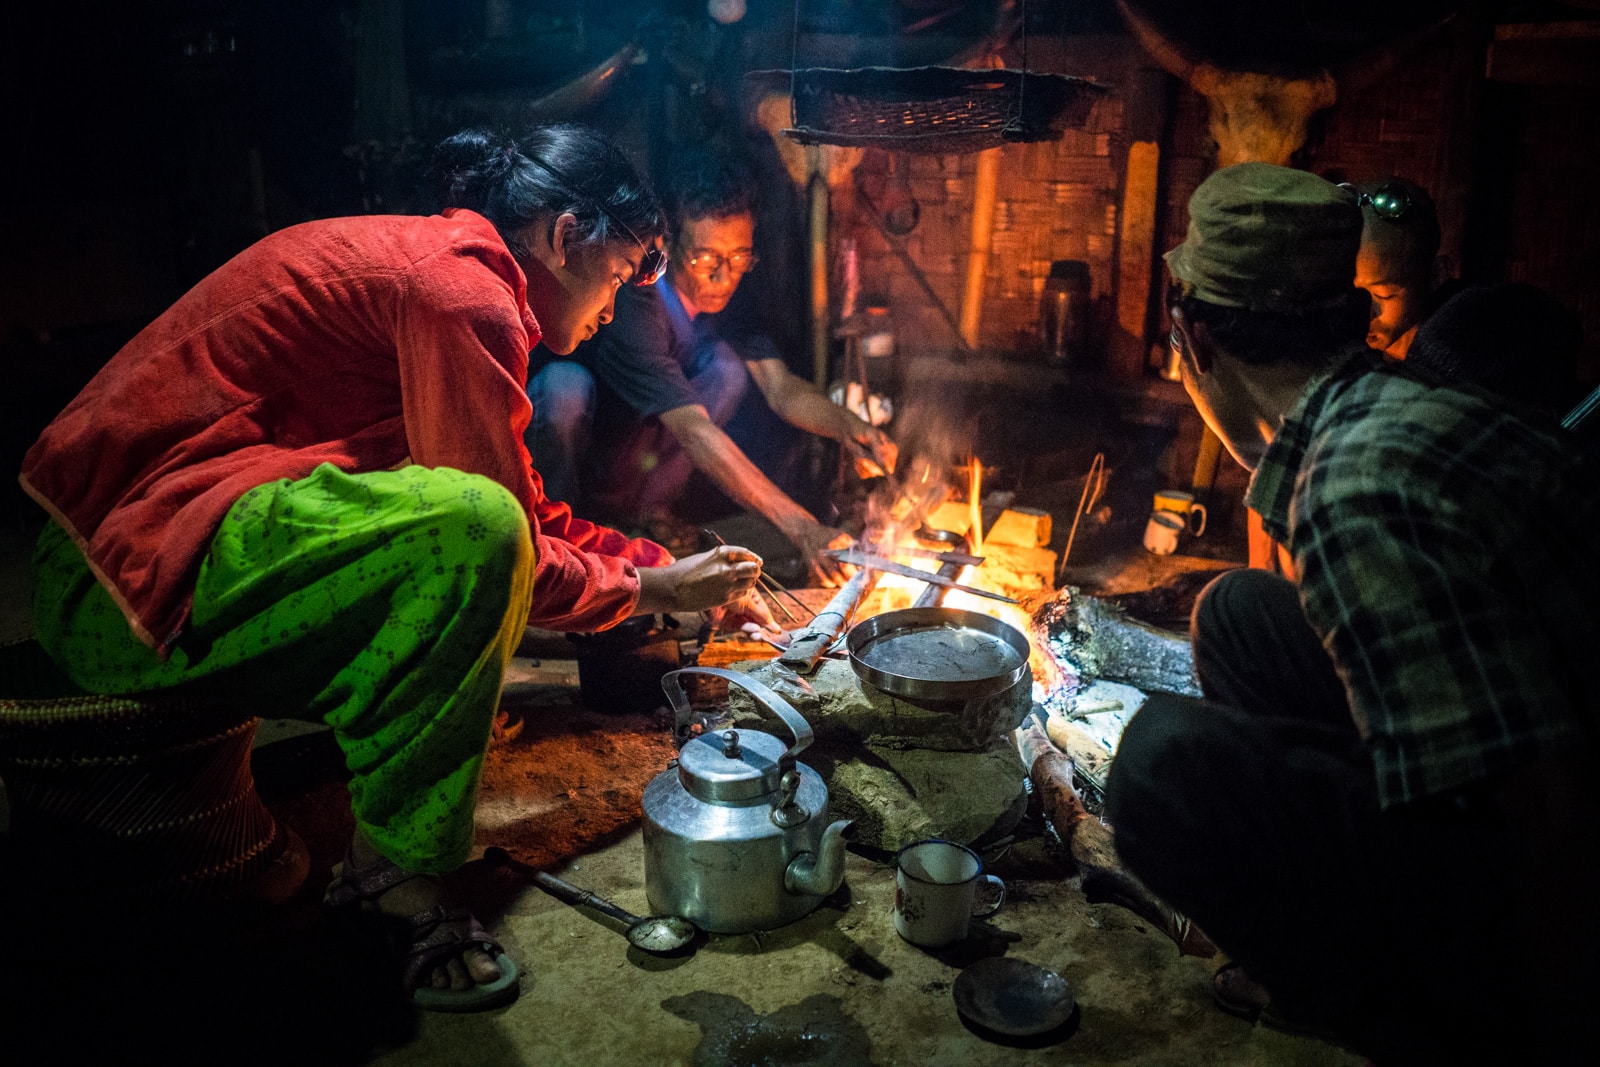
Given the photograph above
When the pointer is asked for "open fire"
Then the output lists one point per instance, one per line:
(930, 515)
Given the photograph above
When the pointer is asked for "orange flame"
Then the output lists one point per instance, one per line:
(894, 524)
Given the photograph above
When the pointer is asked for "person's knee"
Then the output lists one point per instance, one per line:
(1170, 756)
(1241, 597)
(1235, 614)
(1145, 752)
(478, 522)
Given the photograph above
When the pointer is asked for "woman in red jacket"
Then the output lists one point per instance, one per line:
(305, 481)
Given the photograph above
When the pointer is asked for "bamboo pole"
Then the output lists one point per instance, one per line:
(817, 206)
(829, 624)
(983, 195)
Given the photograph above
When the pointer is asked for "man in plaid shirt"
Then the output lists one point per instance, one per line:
(1382, 808)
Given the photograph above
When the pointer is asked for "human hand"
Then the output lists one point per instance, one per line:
(875, 453)
(707, 580)
(749, 614)
(813, 539)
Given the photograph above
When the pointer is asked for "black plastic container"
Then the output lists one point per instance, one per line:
(620, 669)
(1064, 312)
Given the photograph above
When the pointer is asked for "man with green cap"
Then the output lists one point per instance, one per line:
(1382, 806)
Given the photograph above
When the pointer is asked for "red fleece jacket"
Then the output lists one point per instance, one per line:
(364, 342)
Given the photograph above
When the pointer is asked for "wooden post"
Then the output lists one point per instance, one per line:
(817, 206)
(1135, 258)
(983, 192)
(1206, 460)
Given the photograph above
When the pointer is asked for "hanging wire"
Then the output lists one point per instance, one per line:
(1018, 123)
(794, 62)
(1022, 90)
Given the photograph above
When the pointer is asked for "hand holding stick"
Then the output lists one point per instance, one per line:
(769, 584)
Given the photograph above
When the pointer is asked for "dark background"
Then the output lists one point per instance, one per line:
(148, 142)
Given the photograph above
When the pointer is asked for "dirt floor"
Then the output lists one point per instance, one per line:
(838, 987)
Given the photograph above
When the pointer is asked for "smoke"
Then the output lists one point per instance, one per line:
(933, 444)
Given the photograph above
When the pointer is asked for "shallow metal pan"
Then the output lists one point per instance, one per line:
(938, 654)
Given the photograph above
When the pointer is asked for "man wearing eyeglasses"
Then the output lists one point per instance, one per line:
(623, 424)
(1384, 808)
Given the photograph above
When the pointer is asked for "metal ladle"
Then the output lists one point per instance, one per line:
(661, 935)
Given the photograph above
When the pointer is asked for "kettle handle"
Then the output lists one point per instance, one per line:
(672, 685)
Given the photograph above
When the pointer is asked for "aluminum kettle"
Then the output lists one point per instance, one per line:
(736, 836)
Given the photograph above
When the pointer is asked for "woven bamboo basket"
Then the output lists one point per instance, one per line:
(930, 110)
(149, 799)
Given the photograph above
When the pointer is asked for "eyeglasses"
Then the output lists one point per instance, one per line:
(652, 264)
(1388, 201)
(705, 264)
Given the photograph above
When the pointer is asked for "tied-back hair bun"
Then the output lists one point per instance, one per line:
(552, 170)
(463, 163)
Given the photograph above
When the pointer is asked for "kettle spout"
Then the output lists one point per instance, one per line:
(819, 873)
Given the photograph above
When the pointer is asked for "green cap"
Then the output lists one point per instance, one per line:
(1269, 238)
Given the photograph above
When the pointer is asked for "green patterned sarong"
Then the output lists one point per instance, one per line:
(383, 604)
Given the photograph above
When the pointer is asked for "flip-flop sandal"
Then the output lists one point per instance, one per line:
(431, 946)
(428, 944)
(506, 728)
(1236, 993)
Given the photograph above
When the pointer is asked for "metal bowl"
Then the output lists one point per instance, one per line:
(1013, 997)
(938, 654)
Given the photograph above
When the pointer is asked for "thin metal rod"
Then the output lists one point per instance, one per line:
(879, 563)
(1086, 501)
(1580, 414)
(962, 558)
(933, 595)
(770, 584)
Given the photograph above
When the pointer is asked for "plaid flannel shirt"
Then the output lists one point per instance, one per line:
(1446, 550)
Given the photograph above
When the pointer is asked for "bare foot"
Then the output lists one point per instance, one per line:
(420, 894)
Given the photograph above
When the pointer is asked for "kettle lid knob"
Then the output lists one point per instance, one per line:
(732, 765)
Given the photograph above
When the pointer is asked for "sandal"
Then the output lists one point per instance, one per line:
(505, 729)
(1236, 993)
(430, 943)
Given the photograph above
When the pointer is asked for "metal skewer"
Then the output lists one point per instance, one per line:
(772, 586)
(961, 558)
(878, 563)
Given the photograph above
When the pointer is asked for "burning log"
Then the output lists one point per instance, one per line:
(1090, 843)
(1093, 638)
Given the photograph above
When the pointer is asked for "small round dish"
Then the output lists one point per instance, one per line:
(1013, 997)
